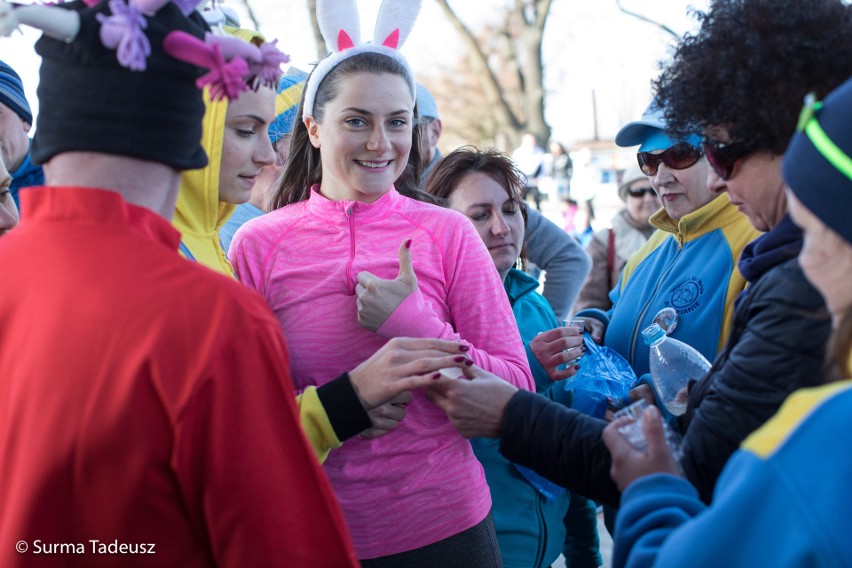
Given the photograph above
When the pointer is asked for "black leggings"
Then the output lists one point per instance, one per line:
(474, 548)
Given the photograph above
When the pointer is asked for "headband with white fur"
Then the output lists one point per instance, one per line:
(339, 23)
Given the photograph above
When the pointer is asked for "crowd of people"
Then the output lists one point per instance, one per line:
(260, 319)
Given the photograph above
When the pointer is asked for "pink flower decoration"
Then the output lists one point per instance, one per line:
(225, 78)
(268, 71)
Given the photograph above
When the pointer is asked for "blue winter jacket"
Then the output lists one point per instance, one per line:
(28, 174)
(530, 528)
(782, 500)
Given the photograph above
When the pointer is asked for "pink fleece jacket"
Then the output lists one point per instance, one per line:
(420, 483)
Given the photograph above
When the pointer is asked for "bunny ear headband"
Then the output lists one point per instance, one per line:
(233, 64)
(339, 23)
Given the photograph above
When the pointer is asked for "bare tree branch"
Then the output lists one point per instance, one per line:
(503, 112)
(663, 27)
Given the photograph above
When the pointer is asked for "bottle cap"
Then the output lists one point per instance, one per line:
(653, 334)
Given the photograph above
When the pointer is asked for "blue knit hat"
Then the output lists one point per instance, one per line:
(12, 93)
(287, 97)
(818, 162)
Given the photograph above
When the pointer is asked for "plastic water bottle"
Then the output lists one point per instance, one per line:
(673, 364)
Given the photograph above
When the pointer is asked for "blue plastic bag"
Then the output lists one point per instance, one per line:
(604, 372)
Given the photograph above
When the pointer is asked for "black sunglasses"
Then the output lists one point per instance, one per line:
(723, 157)
(678, 157)
(640, 191)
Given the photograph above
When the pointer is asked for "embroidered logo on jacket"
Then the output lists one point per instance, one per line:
(685, 296)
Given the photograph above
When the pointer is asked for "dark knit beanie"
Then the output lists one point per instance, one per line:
(817, 164)
(12, 93)
(89, 102)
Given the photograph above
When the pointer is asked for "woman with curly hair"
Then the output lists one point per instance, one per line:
(783, 498)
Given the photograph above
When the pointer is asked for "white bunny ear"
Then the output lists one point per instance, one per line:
(339, 23)
(394, 22)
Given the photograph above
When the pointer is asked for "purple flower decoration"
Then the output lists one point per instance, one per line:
(123, 31)
(268, 71)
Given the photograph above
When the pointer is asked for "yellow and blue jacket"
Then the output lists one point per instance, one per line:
(689, 265)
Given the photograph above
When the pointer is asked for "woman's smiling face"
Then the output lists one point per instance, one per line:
(365, 136)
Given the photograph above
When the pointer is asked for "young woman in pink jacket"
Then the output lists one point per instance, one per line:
(346, 262)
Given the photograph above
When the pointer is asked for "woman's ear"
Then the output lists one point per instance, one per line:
(313, 131)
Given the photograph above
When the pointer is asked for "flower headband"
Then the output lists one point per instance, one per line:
(339, 23)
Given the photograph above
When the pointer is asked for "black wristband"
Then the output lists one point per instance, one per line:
(343, 407)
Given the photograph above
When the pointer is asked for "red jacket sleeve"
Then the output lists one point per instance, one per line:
(249, 477)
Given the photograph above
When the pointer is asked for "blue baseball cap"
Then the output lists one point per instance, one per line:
(650, 132)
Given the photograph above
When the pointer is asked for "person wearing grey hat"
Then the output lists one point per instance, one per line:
(16, 119)
(610, 248)
(783, 497)
(428, 111)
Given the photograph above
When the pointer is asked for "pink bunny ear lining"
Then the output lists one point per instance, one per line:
(392, 41)
(344, 41)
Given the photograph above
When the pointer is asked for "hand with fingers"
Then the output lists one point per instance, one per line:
(403, 364)
(387, 416)
(594, 327)
(377, 298)
(475, 406)
(628, 463)
(557, 346)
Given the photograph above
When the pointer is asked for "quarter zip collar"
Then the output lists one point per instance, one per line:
(714, 215)
(366, 212)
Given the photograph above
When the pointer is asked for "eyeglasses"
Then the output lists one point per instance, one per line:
(723, 157)
(640, 191)
(678, 157)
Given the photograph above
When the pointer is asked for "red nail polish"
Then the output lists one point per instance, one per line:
(408, 244)
(468, 362)
(436, 376)
(459, 359)
(464, 347)
(576, 367)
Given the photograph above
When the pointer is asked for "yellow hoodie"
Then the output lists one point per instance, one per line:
(200, 214)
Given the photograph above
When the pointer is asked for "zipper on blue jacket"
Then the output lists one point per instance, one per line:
(635, 334)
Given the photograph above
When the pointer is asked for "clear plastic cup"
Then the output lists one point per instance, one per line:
(633, 432)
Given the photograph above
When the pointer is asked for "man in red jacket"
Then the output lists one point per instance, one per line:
(146, 410)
